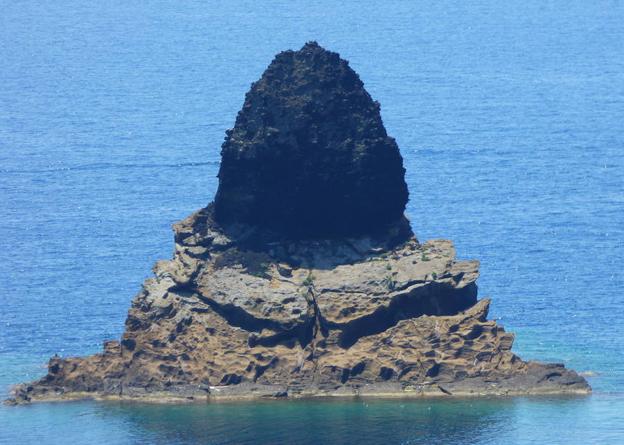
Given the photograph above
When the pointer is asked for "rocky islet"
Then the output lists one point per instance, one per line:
(304, 278)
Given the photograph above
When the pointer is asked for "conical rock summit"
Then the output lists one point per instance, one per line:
(309, 155)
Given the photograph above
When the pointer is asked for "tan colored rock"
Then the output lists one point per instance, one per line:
(231, 316)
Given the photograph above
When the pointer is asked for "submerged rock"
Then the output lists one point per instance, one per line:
(252, 306)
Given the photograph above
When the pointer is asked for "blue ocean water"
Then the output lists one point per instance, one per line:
(510, 117)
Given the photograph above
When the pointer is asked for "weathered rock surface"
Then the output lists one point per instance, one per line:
(309, 155)
(304, 278)
(356, 316)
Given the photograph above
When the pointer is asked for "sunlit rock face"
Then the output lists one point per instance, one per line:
(309, 155)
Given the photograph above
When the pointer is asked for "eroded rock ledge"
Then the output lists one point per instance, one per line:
(242, 314)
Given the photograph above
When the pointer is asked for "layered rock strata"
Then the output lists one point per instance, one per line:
(358, 316)
(304, 278)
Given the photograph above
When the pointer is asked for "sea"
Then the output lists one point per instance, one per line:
(510, 119)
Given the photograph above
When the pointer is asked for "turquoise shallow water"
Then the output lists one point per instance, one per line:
(509, 118)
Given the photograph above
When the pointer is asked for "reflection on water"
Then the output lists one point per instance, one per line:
(321, 421)
(366, 421)
(569, 420)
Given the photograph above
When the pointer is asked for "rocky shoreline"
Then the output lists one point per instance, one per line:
(303, 278)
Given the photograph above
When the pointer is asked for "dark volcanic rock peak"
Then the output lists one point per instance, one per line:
(309, 155)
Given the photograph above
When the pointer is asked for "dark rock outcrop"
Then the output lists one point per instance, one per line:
(309, 155)
(252, 306)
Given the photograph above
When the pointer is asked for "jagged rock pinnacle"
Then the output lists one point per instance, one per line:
(309, 156)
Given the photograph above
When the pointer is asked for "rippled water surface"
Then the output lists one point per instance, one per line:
(510, 118)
